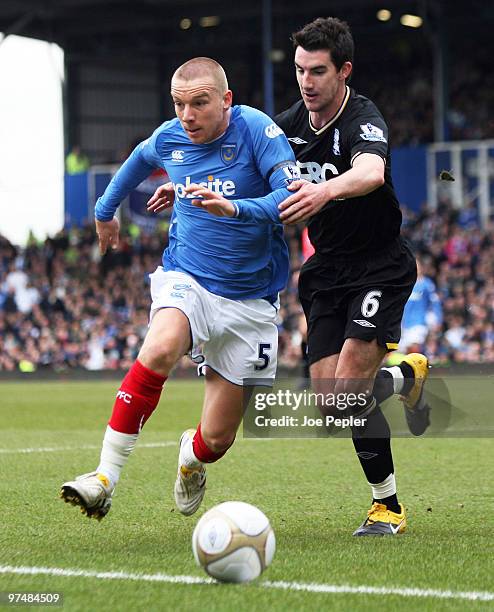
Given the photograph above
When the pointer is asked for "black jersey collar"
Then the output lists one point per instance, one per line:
(331, 121)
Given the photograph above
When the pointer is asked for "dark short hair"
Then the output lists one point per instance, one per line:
(327, 33)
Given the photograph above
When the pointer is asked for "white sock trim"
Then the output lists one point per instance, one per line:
(398, 378)
(384, 489)
(115, 451)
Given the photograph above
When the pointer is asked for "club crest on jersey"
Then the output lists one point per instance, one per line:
(228, 153)
(372, 133)
(336, 142)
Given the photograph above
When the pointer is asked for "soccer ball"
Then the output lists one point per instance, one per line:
(234, 542)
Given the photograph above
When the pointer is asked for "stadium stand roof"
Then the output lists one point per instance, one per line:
(144, 27)
(119, 54)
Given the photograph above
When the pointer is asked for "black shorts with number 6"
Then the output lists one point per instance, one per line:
(356, 299)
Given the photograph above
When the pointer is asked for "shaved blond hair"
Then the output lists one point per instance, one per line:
(200, 67)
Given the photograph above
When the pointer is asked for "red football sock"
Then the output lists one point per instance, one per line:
(136, 399)
(202, 452)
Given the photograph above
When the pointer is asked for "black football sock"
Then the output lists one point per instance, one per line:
(391, 503)
(383, 386)
(409, 377)
(373, 446)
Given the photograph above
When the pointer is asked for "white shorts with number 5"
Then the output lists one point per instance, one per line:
(238, 338)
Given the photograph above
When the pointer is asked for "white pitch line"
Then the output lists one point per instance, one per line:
(57, 449)
(334, 589)
(60, 449)
(58, 571)
(370, 590)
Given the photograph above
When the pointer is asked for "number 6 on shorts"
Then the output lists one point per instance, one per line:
(370, 304)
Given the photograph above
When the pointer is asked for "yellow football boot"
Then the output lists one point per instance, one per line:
(380, 521)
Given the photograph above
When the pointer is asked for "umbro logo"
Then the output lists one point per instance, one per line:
(366, 455)
(177, 155)
(363, 323)
(297, 140)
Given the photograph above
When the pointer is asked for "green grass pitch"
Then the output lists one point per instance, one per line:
(312, 491)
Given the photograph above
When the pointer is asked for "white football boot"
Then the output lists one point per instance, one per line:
(190, 485)
(91, 492)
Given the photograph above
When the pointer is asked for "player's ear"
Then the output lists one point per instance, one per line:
(227, 99)
(345, 71)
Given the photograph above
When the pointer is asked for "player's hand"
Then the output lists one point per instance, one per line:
(212, 202)
(163, 198)
(307, 201)
(108, 234)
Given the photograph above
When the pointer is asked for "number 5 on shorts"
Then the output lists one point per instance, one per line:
(263, 347)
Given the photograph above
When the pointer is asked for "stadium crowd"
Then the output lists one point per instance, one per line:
(409, 107)
(407, 104)
(63, 306)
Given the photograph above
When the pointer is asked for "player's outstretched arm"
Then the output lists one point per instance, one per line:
(108, 234)
(139, 165)
(366, 175)
(163, 198)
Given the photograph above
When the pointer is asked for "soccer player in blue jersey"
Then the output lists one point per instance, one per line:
(217, 289)
(423, 313)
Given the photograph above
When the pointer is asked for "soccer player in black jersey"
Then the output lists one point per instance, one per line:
(355, 286)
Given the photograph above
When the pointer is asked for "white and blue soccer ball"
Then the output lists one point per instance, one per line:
(234, 542)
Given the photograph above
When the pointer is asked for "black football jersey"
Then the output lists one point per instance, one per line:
(351, 228)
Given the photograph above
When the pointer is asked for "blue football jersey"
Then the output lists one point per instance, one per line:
(423, 305)
(251, 163)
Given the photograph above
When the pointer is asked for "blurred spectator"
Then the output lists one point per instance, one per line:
(307, 248)
(76, 161)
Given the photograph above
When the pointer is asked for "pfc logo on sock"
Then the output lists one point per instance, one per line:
(126, 397)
